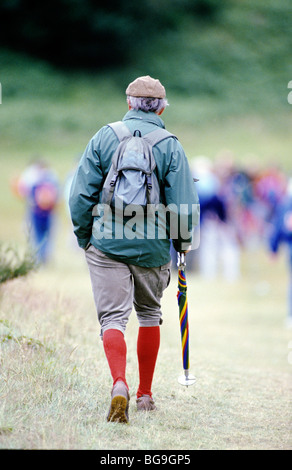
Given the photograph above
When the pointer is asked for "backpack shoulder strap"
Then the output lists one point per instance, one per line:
(120, 129)
(157, 136)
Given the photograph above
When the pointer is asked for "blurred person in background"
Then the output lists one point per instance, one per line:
(270, 189)
(243, 211)
(38, 185)
(72, 241)
(218, 252)
(281, 234)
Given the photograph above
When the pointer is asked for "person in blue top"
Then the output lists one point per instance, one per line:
(281, 234)
(132, 271)
(39, 186)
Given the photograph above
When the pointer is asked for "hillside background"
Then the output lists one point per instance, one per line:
(216, 59)
(238, 50)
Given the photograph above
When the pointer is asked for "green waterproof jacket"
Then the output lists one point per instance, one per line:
(177, 188)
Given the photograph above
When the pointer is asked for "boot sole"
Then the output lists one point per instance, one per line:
(117, 412)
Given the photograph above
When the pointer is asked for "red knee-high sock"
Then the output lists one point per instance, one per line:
(116, 353)
(147, 350)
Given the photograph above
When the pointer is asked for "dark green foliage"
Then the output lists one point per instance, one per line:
(13, 265)
(228, 50)
(93, 34)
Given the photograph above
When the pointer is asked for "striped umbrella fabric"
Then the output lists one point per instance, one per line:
(186, 379)
(183, 317)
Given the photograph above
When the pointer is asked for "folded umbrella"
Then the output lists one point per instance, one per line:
(185, 379)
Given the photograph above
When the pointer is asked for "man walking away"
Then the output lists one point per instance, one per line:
(132, 268)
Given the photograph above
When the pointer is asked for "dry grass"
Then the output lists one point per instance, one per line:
(55, 382)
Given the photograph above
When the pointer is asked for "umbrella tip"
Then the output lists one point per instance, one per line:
(187, 379)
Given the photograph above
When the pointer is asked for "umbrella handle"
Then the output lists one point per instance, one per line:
(181, 260)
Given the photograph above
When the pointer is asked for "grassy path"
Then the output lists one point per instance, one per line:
(55, 383)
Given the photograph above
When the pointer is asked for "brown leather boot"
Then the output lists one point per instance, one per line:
(119, 408)
(145, 403)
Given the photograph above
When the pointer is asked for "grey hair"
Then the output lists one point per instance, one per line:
(154, 105)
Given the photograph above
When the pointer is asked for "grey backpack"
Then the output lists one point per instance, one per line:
(131, 178)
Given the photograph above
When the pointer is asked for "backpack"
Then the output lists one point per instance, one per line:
(131, 178)
(44, 195)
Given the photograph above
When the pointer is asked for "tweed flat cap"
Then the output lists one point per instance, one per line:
(146, 87)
